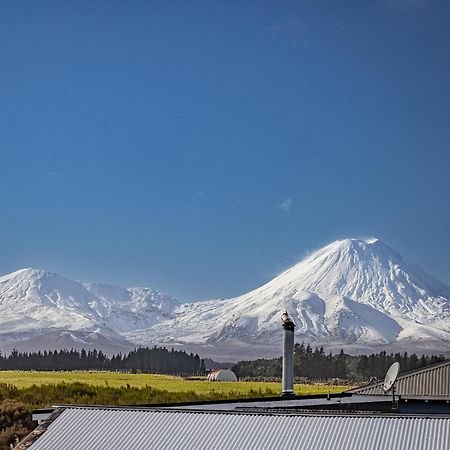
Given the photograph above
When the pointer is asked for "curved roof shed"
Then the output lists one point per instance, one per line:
(222, 375)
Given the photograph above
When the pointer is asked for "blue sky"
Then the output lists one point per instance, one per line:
(203, 147)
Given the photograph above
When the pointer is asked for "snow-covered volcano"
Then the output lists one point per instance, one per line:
(354, 293)
(358, 292)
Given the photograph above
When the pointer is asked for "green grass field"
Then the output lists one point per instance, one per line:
(22, 392)
(23, 379)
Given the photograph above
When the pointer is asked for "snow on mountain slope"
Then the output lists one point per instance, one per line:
(351, 291)
(355, 293)
(34, 302)
(132, 308)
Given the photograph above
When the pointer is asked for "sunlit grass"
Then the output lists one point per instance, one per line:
(23, 379)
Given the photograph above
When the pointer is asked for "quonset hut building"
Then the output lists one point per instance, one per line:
(222, 375)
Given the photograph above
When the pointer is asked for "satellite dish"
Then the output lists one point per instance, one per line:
(391, 376)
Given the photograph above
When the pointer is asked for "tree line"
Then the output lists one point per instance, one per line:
(318, 365)
(309, 363)
(143, 359)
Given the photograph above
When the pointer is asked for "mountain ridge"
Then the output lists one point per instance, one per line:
(35, 302)
(352, 292)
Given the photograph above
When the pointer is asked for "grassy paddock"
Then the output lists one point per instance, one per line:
(23, 379)
(21, 392)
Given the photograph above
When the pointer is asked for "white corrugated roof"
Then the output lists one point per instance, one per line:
(119, 429)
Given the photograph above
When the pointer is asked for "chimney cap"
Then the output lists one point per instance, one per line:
(287, 321)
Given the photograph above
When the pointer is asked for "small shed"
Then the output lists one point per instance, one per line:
(222, 375)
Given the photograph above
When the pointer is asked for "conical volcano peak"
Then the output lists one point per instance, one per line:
(354, 243)
(364, 271)
(365, 240)
(350, 292)
(368, 249)
(371, 240)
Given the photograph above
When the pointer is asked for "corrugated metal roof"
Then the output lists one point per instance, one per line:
(428, 382)
(119, 429)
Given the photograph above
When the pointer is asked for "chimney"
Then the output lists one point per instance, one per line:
(288, 356)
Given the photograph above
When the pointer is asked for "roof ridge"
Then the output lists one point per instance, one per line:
(305, 413)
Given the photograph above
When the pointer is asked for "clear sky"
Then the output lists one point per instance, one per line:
(202, 147)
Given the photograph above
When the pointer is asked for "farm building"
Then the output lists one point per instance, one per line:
(222, 375)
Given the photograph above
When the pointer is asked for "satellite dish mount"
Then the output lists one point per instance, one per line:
(390, 379)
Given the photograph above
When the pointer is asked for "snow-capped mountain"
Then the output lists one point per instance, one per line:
(35, 303)
(354, 293)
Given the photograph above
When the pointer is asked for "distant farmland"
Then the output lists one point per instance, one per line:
(21, 392)
(22, 379)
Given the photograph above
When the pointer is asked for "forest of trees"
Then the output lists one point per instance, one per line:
(318, 365)
(146, 360)
(309, 363)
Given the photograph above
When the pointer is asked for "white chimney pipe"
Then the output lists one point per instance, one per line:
(288, 356)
